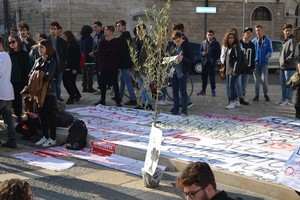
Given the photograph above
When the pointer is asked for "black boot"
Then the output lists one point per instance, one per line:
(11, 143)
(91, 89)
(243, 102)
(84, 89)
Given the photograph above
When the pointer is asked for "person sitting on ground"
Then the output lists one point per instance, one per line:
(15, 189)
(198, 183)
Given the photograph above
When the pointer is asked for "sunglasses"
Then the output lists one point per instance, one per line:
(12, 42)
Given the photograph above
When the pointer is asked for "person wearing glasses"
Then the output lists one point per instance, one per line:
(198, 183)
(21, 67)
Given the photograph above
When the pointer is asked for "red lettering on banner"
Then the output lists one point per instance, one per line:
(103, 148)
(184, 137)
(290, 171)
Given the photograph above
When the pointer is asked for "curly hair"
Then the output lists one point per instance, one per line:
(225, 39)
(198, 173)
(14, 189)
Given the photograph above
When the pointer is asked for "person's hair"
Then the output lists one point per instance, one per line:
(122, 22)
(42, 35)
(287, 26)
(86, 30)
(111, 28)
(232, 30)
(179, 27)
(19, 47)
(70, 37)
(14, 189)
(23, 25)
(258, 26)
(176, 35)
(54, 23)
(210, 31)
(49, 47)
(225, 39)
(139, 26)
(2, 41)
(198, 173)
(98, 23)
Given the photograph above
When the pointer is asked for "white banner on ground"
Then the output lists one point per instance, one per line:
(52, 164)
(153, 150)
(290, 174)
(121, 114)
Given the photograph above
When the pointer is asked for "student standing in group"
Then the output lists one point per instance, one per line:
(27, 42)
(99, 35)
(59, 45)
(249, 51)
(47, 113)
(21, 67)
(6, 95)
(231, 58)
(263, 52)
(179, 78)
(86, 46)
(72, 67)
(108, 51)
(210, 52)
(34, 52)
(287, 64)
(297, 99)
(125, 62)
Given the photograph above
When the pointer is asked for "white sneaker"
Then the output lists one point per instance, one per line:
(231, 105)
(237, 104)
(162, 103)
(286, 103)
(49, 143)
(278, 102)
(41, 141)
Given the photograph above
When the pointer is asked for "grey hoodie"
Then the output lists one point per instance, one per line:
(287, 58)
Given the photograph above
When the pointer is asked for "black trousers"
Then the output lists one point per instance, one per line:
(297, 102)
(17, 103)
(69, 81)
(208, 70)
(48, 117)
(109, 78)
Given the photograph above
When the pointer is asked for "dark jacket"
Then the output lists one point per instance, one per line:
(234, 60)
(48, 66)
(61, 48)
(86, 46)
(21, 66)
(109, 55)
(213, 50)
(73, 57)
(287, 58)
(28, 46)
(249, 51)
(221, 196)
(125, 59)
(187, 59)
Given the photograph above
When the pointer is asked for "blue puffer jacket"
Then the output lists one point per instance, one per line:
(263, 50)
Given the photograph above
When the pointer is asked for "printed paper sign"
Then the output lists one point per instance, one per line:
(103, 148)
(153, 150)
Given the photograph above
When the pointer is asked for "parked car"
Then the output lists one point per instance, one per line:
(274, 60)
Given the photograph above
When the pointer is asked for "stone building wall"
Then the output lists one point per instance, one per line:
(72, 14)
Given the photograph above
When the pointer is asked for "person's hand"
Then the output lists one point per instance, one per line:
(74, 71)
(91, 54)
(179, 57)
(204, 53)
(268, 56)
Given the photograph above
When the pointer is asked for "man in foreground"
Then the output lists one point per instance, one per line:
(198, 183)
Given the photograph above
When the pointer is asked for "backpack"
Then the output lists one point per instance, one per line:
(76, 139)
(82, 60)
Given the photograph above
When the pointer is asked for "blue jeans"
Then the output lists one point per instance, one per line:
(231, 87)
(163, 94)
(287, 93)
(58, 80)
(238, 86)
(180, 84)
(126, 79)
(244, 81)
(260, 75)
(5, 111)
(145, 98)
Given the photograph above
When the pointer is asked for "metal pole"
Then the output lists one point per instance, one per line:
(244, 10)
(205, 19)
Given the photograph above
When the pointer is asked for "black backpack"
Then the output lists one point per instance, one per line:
(76, 139)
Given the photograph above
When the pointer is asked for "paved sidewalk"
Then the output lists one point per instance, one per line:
(87, 181)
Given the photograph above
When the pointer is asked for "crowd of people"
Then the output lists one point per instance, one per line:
(58, 57)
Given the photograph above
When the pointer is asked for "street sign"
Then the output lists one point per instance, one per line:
(206, 9)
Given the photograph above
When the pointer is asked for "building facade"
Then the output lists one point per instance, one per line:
(73, 14)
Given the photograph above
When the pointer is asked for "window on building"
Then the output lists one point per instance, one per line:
(262, 14)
